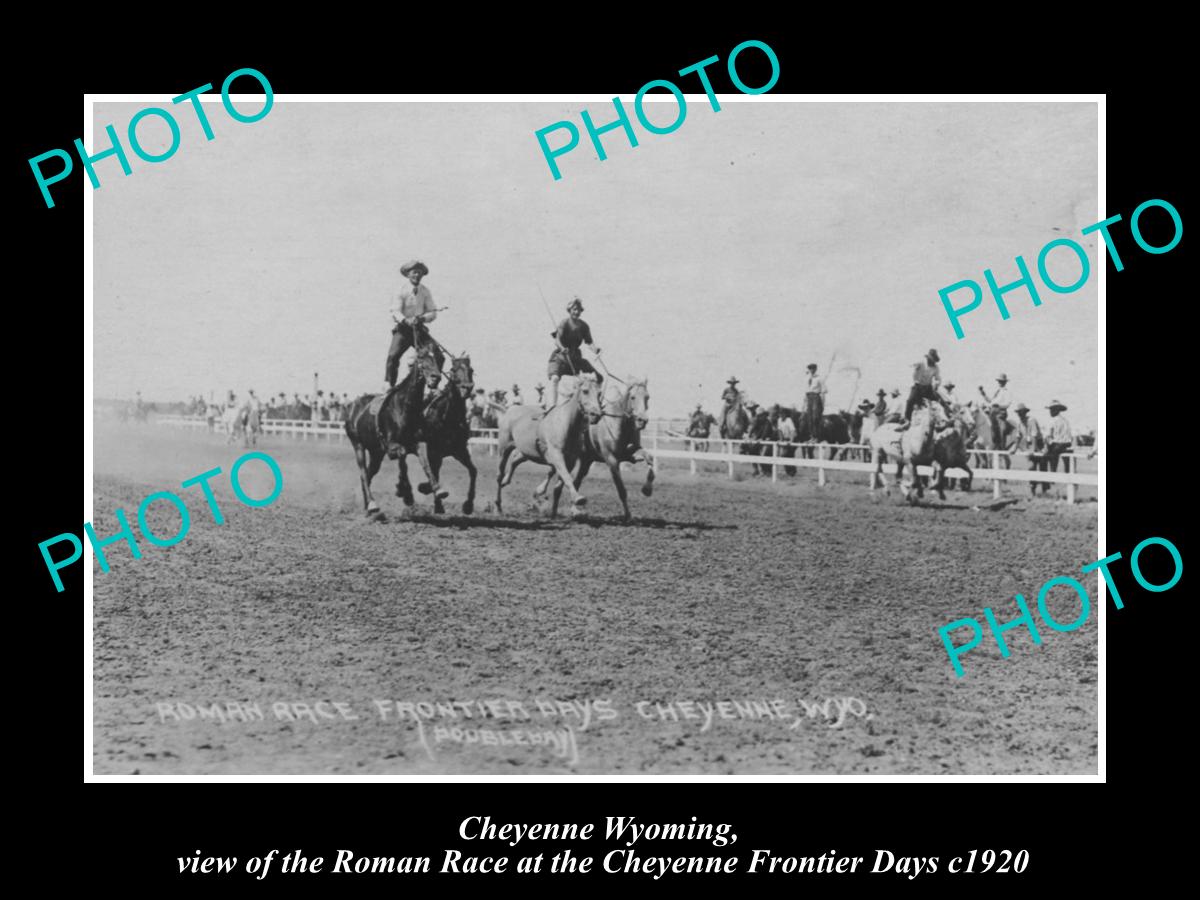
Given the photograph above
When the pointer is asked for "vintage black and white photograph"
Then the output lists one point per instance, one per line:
(417, 460)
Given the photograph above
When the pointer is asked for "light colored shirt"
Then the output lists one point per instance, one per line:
(1001, 398)
(926, 373)
(1059, 430)
(816, 385)
(787, 429)
(413, 301)
(1029, 434)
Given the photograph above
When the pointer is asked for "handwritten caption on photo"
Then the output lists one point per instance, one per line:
(549, 725)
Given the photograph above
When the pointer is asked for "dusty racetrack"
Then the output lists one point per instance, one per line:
(719, 591)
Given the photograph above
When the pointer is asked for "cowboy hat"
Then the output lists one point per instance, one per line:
(949, 384)
(1021, 407)
(416, 264)
(1002, 378)
(881, 393)
(732, 380)
(1054, 404)
(575, 302)
(933, 354)
(812, 367)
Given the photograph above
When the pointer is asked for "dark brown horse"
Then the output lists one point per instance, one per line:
(394, 425)
(445, 431)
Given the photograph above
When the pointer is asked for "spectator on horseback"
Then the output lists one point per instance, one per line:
(927, 379)
(567, 358)
(950, 397)
(814, 402)
(1000, 401)
(411, 310)
(731, 395)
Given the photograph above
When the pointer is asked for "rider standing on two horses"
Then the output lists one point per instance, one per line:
(411, 309)
(567, 358)
(814, 403)
(927, 379)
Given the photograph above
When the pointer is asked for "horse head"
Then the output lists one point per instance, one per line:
(637, 401)
(462, 374)
(587, 392)
(426, 364)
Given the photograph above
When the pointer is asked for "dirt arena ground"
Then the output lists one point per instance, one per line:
(734, 627)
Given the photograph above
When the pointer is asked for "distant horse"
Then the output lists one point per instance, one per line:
(446, 431)
(394, 420)
(233, 421)
(554, 438)
(835, 429)
(911, 447)
(985, 439)
(701, 427)
(616, 439)
(761, 429)
(735, 421)
(251, 425)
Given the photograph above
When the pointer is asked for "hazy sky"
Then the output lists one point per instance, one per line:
(749, 242)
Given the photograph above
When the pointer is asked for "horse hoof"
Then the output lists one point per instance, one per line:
(424, 488)
(580, 501)
(647, 490)
(468, 507)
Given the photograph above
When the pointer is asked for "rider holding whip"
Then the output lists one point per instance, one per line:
(567, 359)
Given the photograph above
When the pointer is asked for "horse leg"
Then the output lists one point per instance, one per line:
(614, 466)
(435, 466)
(403, 486)
(939, 480)
(430, 476)
(540, 490)
(463, 455)
(369, 505)
(554, 457)
(505, 453)
(648, 487)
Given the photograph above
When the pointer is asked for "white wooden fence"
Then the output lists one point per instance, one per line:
(673, 446)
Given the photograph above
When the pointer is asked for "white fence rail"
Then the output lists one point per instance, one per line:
(823, 461)
(723, 451)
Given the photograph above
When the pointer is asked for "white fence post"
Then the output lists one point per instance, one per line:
(1072, 467)
(691, 445)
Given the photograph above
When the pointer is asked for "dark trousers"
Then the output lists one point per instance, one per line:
(918, 392)
(402, 339)
(1054, 453)
(814, 409)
